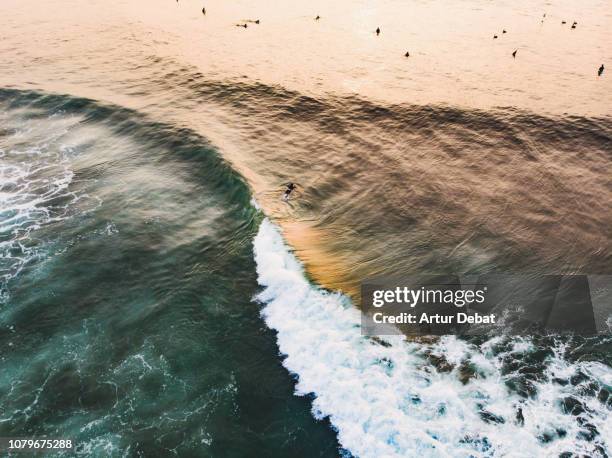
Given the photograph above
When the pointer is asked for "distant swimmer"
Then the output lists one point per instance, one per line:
(377, 30)
(407, 54)
(514, 53)
(317, 18)
(257, 21)
(288, 191)
(600, 71)
(520, 419)
(242, 25)
(563, 22)
(574, 25)
(494, 37)
(204, 11)
(504, 31)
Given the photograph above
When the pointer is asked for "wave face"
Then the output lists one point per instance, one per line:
(126, 322)
(397, 398)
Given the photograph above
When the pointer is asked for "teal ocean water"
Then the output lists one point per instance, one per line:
(149, 308)
(127, 320)
(158, 298)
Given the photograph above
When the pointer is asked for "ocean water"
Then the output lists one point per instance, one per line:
(127, 322)
(157, 298)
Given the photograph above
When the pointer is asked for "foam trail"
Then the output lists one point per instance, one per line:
(36, 178)
(388, 400)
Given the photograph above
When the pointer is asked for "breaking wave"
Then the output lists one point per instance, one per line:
(393, 397)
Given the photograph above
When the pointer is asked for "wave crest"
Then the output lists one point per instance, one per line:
(395, 397)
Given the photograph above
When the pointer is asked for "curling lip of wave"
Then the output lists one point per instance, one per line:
(385, 400)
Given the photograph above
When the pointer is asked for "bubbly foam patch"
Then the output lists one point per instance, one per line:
(35, 182)
(395, 398)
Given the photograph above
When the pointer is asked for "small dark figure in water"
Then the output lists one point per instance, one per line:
(563, 22)
(504, 31)
(494, 37)
(407, 54)
(520, 419)
(242, 25)
(377, 30)
(600, 71)
(288, 191)
(257, 21)
(574, 25)
(317, 18)
(514, 53)
(204, 11)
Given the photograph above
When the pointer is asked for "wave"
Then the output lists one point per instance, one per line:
(385, 397)
(54, 148)
(393, 397)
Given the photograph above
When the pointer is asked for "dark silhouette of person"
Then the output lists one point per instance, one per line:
(377, 30)
(204, 11)
(317, 18)
(514, 53)
(407, 54)
(290, 188)
(504, 31)
(520, 419)
(600, 71)
(494, 37)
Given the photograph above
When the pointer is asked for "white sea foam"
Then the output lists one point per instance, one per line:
(35, 186)
(388, 400)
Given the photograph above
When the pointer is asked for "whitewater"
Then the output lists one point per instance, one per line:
(385, 398)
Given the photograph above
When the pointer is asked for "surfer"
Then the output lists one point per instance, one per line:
(288, 191)
(520, 419)
(377, 30)
(600, 71)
